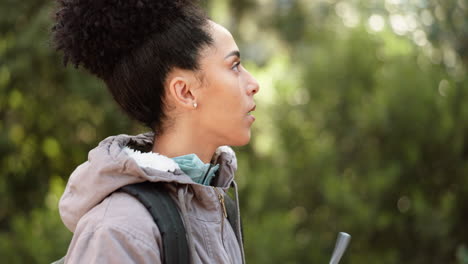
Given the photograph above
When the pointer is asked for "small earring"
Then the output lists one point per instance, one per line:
(195, 105)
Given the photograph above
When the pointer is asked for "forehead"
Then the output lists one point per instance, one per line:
(223, 42)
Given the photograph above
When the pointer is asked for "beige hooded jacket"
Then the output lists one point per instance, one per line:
(113, 227)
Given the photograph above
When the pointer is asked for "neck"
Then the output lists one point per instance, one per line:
(178, 142)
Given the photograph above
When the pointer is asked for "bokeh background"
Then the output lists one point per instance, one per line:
(362, 125)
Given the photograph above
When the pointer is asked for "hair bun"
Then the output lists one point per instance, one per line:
(98, 33)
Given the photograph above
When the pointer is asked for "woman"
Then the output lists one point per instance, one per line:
(179, 73)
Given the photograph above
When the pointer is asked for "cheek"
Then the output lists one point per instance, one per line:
(224, 94)
(225, 108)
(225, 120)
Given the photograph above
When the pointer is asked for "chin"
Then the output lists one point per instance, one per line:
(240, 140)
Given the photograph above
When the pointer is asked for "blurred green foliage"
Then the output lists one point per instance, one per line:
(361, 127)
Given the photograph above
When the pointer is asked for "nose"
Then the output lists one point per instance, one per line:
(253, 87)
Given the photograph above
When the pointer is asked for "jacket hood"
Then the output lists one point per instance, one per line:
(121, 160)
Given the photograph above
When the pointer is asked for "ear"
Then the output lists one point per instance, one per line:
(181, 86)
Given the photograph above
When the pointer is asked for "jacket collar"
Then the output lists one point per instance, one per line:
(123, 159)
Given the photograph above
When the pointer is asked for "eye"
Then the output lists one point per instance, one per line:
(235, 67)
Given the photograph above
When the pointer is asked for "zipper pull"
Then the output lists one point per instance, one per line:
(221, 201)
(221, 198)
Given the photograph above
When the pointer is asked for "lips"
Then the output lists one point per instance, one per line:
(252, 109)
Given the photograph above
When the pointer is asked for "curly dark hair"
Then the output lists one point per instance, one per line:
(132, 45)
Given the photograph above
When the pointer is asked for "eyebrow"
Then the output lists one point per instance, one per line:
(233, 53)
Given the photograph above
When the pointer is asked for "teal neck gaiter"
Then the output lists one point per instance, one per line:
(198, 171)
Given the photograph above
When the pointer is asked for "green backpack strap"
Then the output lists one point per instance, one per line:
(166, 215)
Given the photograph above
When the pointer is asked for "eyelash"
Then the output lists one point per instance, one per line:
(236, 65)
